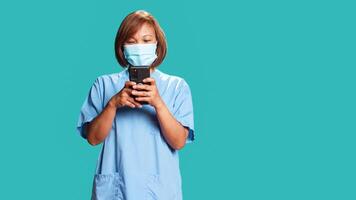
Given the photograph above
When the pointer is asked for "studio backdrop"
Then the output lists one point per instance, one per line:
(272, 82)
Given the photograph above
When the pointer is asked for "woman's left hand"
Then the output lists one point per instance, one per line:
(148, 93)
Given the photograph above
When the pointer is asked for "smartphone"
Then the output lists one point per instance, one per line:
(137, 74)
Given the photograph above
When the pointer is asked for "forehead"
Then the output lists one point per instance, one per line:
(145, 29)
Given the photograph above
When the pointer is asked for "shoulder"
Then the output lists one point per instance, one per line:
(173, 80)
(109, 78)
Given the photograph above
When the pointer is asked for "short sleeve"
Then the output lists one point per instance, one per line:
(91, 107)
(183, 109)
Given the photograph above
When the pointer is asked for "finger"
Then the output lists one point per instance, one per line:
(128, 103)
(137, 104)
(131, 100)
(142, 98)
(140, 93)
(127, 91)
(149, 80)
(142, 87)
(129, 84)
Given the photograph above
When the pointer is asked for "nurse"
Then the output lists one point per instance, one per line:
(140, 142)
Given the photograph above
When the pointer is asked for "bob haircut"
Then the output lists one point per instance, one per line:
(129, 26)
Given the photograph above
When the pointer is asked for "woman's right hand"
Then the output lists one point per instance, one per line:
(124, 97)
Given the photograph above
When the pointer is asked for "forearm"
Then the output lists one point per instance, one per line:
(174, 132)
(100, 126)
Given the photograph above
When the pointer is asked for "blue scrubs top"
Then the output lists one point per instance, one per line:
(135, 162)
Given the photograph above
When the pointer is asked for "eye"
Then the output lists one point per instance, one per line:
(130, 41)
(146, 40)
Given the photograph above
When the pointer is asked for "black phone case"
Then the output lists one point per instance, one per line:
(137, 74)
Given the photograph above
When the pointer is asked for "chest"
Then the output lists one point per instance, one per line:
(144, 118)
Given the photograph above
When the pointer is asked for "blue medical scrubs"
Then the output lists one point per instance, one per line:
(136, 162)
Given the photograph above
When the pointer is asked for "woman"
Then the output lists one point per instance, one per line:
(139, 156)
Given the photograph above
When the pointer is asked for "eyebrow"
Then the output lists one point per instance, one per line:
(132, 38)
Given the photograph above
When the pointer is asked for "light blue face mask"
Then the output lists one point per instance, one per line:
(140, 54)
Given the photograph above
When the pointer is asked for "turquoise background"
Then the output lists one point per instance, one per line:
(273, 86)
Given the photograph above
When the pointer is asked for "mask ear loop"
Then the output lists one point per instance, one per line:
(155, 53)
